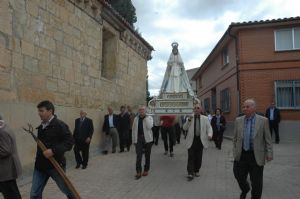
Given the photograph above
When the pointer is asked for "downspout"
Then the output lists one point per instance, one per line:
(237, 60)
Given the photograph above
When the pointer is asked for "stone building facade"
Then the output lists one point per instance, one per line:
(78, 54)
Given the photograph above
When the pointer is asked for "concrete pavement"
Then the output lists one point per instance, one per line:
(112, 176)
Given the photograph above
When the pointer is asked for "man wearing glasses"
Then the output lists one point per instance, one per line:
(198, 135)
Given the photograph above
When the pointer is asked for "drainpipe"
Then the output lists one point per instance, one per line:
(237, 60)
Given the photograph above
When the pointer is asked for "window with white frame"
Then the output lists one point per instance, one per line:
(287, 94)
(287, 39)
(225, 100)
(225, 56)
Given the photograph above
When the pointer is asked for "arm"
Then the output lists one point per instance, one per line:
(91, 131)
(5, 145)
(149, 122)
(209, 131)
(134, 129)
(234, 139)
(187, 124)
(66, 143)
(268, 141)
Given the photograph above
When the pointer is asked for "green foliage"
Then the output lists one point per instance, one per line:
(126, 9)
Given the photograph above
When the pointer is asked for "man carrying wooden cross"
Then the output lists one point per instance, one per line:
(56, 136)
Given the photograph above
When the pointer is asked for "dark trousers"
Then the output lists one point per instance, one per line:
(195, 156)
(140, 147)
(218, 139)
(168, 132)
(274, 126)
(9, 190)
(247, 165)
(124, 139)
(155, 130)
(178, 132)
(81, 152)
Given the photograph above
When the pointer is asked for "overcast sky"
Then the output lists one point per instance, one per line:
(197, 25)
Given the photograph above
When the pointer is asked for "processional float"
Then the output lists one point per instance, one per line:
(176, 96)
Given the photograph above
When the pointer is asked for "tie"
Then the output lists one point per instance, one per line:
(247, 135)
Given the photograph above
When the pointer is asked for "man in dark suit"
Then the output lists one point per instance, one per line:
(110, 125)
(83, 133)
(123, 129)
(273, 115)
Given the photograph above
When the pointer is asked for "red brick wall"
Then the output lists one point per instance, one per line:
(260, 65)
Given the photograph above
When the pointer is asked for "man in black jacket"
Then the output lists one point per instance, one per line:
(123, 129)
(273, 115)
(56, 136)
(83, 133)
(110, 129)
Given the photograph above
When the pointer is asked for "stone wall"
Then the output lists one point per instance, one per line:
(52, 49)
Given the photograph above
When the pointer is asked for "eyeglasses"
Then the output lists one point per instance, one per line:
(196, 107)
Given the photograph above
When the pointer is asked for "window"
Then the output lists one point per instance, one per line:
(225, 100)
(206, 104)
(287, 39)
(109, 48)
(287, 94)
(225, 57)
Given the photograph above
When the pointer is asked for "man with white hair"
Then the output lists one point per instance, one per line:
(10, 166)
(83, 133)
(252, 146)
(142, 138)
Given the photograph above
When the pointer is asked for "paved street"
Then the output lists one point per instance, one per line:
(112, 176)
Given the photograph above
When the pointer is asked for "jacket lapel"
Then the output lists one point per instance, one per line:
(257, 124)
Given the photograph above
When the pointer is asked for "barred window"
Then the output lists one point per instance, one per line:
(287, 94)
(225, 100)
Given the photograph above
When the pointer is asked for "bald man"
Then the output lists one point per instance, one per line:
(83, 133)
(252, 147)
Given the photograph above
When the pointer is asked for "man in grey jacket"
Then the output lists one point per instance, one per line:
(10, 167)
(252, 147)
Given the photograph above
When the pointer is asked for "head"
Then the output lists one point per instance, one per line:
(142, 110)
(122, 109)
(249, 107)
(110, 110)
(45, 110)
(197, 109)
(218, 111)
(272, 105)
(83, 114)
(129, 108)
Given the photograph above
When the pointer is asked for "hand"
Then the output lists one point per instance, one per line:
(88, 140)
(269, 159)
(48, 153)
(210, 137)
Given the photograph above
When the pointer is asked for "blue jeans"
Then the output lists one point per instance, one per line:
(39, 181)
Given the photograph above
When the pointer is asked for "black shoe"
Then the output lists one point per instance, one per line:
(190, 177)
(104, 152)
(77, 166)
(138, 176)
(171, 154)
(113, 151)
(128, 149)
(121, 151)
(83, 167)
(244, 194)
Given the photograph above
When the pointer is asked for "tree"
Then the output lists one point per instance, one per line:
(126, 9)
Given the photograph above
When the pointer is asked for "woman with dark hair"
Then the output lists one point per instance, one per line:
(218, 124)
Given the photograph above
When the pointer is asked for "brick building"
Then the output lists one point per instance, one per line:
(78, 54)
(256, 59)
